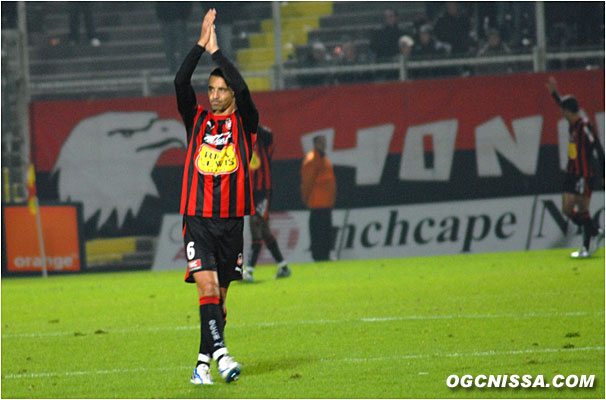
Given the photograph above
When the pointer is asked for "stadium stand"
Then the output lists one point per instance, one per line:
(130, 60)
(130, 51)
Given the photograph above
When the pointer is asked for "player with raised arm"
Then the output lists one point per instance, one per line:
(585, 158)
(216, 193)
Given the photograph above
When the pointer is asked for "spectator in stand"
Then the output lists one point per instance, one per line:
(384, 41)
(494, 47)
(318, 57)
(347, 55)
(75, 8)
(406, 44)
(427, 46)
(173, 17)
(453, 27)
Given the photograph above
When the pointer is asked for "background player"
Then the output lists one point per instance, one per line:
(585, 155)
(260, 166)
(216, 193)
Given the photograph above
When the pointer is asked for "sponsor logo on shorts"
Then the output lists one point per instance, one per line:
(195, 264)
(240, 260)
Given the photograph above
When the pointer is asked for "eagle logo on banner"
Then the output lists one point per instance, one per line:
(107, 160)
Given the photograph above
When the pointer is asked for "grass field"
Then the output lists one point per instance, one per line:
(354, 329)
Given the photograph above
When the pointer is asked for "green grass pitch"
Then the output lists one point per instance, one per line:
(392, 328)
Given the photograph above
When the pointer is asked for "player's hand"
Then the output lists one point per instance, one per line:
(212, 45)
(207, 23)
(551, 84)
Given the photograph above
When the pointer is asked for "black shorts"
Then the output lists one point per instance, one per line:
(578, 184)
(214, 244)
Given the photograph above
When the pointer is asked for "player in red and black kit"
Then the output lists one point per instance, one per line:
(260, 166)
(585, 159)
(217, 191)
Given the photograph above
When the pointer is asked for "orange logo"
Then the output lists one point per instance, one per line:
(60, 233)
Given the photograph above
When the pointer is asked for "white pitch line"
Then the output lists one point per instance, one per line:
(323, 321)
(483, 316)
(355, 360)
(474, 354)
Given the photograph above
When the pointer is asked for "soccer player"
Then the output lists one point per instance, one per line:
(217, 191)
(584, 154)
(260, 166)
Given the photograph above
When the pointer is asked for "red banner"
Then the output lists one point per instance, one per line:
(347, 109)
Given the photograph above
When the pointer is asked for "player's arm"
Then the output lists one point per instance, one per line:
(186, 97)
(552, 86)
(244, 101)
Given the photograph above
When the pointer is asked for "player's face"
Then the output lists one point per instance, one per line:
(569, 115)
(220, 96)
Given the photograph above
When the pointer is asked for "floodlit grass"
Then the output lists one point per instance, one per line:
(392, 328)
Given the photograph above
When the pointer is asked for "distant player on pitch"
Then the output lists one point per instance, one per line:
(260, 166)
(217, 192)
(585, 159)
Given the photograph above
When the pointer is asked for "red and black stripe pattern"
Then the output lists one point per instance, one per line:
(261, 166)
(584, 149)
(216, 177)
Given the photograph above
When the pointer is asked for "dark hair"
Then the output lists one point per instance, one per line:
(570, 103)
(217, 72)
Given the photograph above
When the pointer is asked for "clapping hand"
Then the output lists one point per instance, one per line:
(207, 26)
(212, 45)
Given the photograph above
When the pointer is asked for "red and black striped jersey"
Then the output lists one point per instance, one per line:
(585, 152)
(216, 175)
(584, 149)
(260, 164)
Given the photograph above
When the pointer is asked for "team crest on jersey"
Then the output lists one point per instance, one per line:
(211, 161)
(572, 151)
